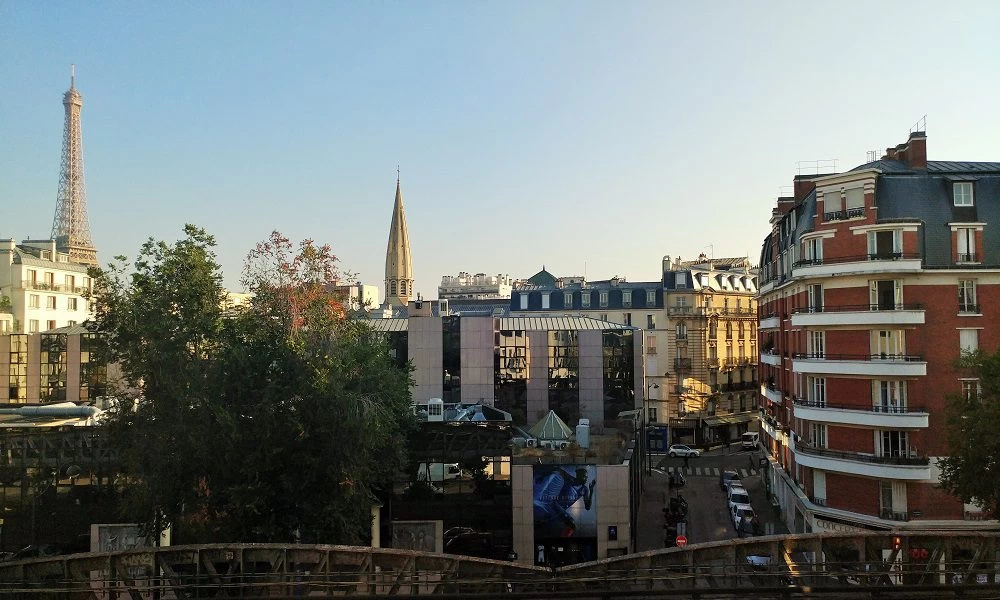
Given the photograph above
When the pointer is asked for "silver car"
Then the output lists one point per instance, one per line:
(682, 450)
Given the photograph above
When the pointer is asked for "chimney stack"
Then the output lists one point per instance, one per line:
(913, 152)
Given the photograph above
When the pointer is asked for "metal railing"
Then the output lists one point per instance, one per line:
(965, 307)
(893, 409)
(826, 308)
(682, 363)
(861, 357)
(893, 515)
(875, 256)
(862, 457)
(967, 257)
(27, 284)
(685, 310)
(841, 215)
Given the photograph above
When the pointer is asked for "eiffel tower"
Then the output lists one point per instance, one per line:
(71, 224)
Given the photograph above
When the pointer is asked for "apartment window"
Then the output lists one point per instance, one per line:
(71, 303)
(817, 433)
(650, 322)
(567, 299)
(888, 343)
(817, 344)
(892, 500)
(50, 280)
(86, 283)
(968, 340)
(681, 301)
(33, 300)
(626, 298)
(652, 414)
(962, 191)
(50, 302)
(71, 323)
(813, 250)
(651, 344)
(603, 299)
(889, 396)
(627, 318)
(892, 443)
(50, 325)
(33, 326)
(729, 330)
(885, 244)
(816, 390)
(886, 294)
(546, 301)
(833, 206)
(650, 297)
(523, 299)
(585, 300)
(32, 276)
(814, 295)
(967, 296)
(739, 330)
(682, 331)
(70, 282)
(855, 200)
(971, 389)
(966, 237)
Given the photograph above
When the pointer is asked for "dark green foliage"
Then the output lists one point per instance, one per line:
(972, 469)
(278, 422)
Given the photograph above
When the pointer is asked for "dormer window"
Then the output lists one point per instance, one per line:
(962, 191)
(627, 298)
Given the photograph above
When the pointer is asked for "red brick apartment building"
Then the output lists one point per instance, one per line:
(871, 283)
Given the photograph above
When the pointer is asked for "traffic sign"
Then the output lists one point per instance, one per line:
(681, 541)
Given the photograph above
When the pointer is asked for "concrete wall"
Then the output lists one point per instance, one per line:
(477, 360)
(425, 346)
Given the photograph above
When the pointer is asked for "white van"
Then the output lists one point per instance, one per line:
(749, 440)
(438, 471)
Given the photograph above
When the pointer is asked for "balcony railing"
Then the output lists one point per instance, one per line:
(737, 312)
(859, 357)
(967, 257)
(712, 362)
(738, 386)
(826, 308)
(965, 307)
(876, 256)
(861, 457)
(682, 363)
(893, 515)
(27, 284)
(841, 215)
(891, 409)
(682, 337)
(819, 501)
(685, 310)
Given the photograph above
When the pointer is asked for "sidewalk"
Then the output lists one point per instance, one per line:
(650, 522)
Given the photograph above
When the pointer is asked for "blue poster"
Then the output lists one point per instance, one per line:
(564, 500)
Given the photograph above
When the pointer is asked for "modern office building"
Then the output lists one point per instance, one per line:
(579, 367)
(700, 346)
(873, 282)
(65, 365)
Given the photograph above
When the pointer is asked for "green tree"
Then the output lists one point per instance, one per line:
(278, 422)
(972, 469)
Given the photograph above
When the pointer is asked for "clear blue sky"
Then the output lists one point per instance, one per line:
(564, 133)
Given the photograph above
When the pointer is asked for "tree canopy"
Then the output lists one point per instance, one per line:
(278, 421)
(971, 471)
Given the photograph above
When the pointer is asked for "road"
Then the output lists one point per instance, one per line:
(708, 515)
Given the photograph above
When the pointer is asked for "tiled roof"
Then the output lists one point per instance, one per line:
(933, 166)
(24, 258)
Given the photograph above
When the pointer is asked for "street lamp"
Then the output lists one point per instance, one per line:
(645, 430)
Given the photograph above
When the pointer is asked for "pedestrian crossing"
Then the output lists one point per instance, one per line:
(706, 471)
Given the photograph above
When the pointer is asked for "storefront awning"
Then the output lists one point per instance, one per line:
(729, 419)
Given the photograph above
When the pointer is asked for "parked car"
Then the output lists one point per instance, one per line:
(682, 450)
(728, 478)
(738, 495)
(742, 515)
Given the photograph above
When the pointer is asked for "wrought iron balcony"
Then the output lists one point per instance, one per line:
(841, 215)
(893, 515)
(891, 409)
(686, 310)
(874, 256)
(967, 257)
(828, 308)
(911, 460)
(858, 357)
(682, 363)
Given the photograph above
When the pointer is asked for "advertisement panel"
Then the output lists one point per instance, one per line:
(565, 513)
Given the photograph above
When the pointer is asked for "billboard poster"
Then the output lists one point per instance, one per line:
(565, 510)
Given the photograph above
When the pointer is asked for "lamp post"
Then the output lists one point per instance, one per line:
(645, 432)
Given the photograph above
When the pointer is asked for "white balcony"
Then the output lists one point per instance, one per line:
(772, 395)
(770, 322)
(860, 365)
(858, 265)
(866, 465)
(770, 359)
(873, 416)
(859, 315)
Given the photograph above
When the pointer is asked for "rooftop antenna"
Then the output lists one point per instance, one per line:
(397, 173)
(72, 76)
(711, 248)
(872, 156)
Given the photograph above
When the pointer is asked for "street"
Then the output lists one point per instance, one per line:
(708, 517)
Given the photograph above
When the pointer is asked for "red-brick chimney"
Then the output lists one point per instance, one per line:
(913, 152)
(803, 185)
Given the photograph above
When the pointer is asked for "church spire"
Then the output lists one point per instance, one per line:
(398, 270)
